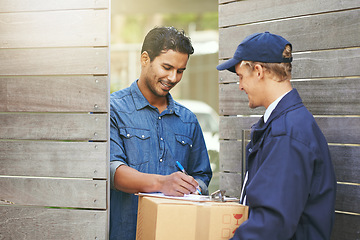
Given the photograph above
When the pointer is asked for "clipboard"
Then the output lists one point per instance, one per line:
(217, 196)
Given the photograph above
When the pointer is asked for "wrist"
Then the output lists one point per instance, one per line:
(159, 183)
(154, 183)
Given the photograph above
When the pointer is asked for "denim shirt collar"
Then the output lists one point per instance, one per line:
(141, 102)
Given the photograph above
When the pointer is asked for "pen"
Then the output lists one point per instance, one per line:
(183, 170)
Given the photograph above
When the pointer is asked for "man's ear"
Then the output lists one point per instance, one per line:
(259, 71)
(145, 58)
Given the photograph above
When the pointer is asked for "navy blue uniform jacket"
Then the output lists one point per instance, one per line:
(291, 182)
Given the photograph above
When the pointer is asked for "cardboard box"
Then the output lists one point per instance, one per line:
(162, 218)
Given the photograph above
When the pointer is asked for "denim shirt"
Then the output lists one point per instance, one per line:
(150, 142)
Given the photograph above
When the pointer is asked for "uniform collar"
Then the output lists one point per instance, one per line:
(272, 106)
(287, 102)
(290, 100)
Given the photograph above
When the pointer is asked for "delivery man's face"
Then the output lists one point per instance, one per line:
(249, 83)
(164, 72)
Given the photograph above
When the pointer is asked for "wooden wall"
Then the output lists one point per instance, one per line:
(54, 91)
(325, 37)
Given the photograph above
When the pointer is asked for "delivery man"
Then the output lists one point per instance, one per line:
(290, 183)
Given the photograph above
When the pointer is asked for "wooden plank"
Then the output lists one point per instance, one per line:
(336, 96)
(226, 1)
(230, 156)
(53, 192)
(49, 223)
(326, 64)
(303, 32)
(336, 129)
(235, 102)
(346, 226)
(348, 198)
(331, 96)
(227, 76)
(242, 12)
(54, 94)
(344, 130)
(43, 5)
(53, 126)
(231, 183)
(54, 61)
(230, 127)
(53, 159)
(346, 160)
(54, 29)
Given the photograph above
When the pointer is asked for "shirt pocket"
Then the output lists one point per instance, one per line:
(183, 148)
(184, 140)
(136, 146)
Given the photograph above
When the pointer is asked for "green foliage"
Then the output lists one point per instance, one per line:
(209, 21)
(205, 21)
(133, 29)
(180, 21)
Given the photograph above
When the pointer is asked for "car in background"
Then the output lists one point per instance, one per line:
(209, 123)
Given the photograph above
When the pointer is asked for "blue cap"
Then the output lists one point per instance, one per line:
(258, 47)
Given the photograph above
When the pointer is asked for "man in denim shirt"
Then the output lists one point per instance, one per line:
(150, 132)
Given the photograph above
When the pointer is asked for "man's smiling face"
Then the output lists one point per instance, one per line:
(164, 72)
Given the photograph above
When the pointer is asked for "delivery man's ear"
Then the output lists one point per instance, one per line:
(145, 58)
(259, 71)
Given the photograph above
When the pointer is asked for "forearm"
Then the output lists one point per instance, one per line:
(130, 180)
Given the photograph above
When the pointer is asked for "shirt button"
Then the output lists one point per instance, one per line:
(161, 160)
(128, 135)
(161, 139)
(182, 142)
(159, 118)
(250, 150)
(191, 146)
(142, 136)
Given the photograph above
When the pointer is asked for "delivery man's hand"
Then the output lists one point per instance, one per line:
(178, 184)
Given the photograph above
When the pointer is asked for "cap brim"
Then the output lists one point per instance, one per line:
(228, 65)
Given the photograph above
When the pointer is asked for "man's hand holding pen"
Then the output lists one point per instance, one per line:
(182, 169)
(178, 184)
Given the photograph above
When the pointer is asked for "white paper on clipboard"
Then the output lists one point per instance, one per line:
(186, 197)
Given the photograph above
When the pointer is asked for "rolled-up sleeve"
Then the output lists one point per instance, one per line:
(117, 155)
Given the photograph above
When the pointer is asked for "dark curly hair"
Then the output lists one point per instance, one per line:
(161, 39)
